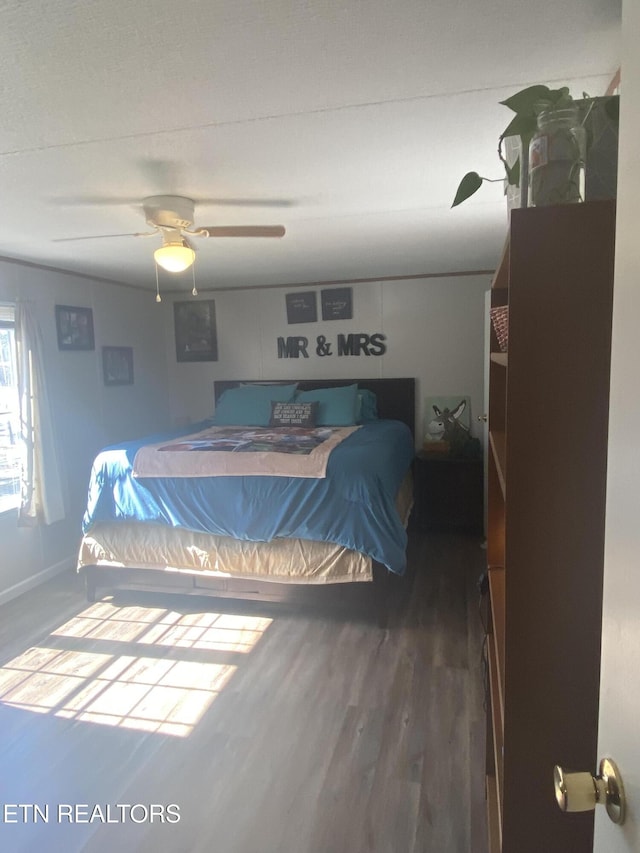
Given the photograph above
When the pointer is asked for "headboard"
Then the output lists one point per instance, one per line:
(396, 397)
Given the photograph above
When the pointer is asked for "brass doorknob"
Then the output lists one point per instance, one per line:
(581, 792)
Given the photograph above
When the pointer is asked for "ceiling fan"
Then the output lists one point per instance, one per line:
(172, 218)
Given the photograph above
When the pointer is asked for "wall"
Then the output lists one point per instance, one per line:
(619, 687)
(434, 332)
(87, 414)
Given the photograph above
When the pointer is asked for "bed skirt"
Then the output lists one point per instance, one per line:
(140, 554)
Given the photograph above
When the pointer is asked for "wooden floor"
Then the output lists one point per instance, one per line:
(269, 730)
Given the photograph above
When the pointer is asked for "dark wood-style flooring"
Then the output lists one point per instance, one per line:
(269, 729)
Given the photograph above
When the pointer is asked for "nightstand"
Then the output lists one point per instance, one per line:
(448, 493)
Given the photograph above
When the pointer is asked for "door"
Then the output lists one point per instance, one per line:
(619, 735)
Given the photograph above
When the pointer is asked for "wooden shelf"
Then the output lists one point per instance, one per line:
(495, 650)
(493, 816)
(501, 275)
(498, 606)
(501, 358)
(498, 443)
(497, 720)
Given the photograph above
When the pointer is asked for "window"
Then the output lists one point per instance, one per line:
(10, 455)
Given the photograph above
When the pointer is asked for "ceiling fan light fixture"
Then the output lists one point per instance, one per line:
(174, 257)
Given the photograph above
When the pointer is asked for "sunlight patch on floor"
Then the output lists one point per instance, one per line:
(213, 631)
(155, 693)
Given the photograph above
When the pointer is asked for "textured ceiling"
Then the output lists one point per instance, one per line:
(350, 122)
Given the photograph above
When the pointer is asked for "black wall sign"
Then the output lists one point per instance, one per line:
(362, 344)
(293, 347)
(302, 307)
(345, 345)
(337, 304)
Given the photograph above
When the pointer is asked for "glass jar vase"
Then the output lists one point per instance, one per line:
(557, 154)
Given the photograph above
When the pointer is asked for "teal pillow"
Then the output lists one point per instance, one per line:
(367, 408)
(250, 405)
(337, 406)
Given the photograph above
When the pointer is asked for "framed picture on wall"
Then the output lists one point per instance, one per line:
(117, 365)
(75, 328)
(337, 303)
(195, 328)
(302, 307)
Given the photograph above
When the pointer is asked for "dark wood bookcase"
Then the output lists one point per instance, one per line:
(548, 416)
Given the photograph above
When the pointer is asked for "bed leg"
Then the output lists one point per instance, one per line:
(382, 602)
(90, 586)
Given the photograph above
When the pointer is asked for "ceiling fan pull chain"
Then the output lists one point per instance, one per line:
(158, 297)
(194, 292)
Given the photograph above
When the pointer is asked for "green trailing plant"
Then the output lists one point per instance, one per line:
(527, 105)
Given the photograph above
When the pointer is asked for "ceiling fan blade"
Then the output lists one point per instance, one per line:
(244, 230)
(104, 201)
(93, 237)
(94, 201)
(243, 202)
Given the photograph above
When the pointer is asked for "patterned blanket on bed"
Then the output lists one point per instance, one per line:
(232, 451)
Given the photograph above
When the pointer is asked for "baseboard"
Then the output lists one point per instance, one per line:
(35, 580)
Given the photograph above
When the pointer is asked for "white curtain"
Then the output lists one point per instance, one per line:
(42, 496)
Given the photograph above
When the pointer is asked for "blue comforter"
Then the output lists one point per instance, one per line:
(353, 506)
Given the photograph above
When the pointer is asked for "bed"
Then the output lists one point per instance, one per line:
(258, 534)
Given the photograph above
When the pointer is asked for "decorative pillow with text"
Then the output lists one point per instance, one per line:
(293, 414)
